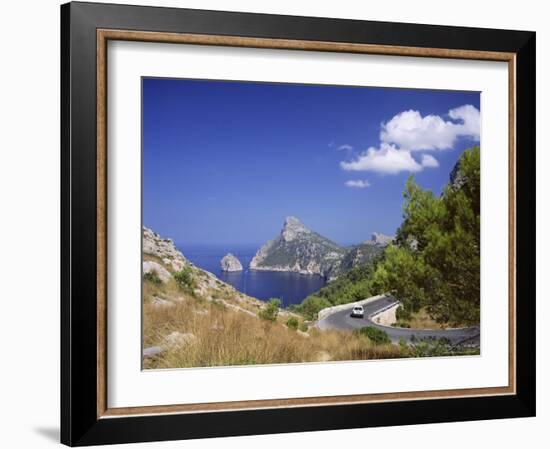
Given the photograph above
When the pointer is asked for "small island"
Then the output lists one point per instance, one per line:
(230, 263)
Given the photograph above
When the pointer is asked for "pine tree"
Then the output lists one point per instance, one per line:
(436, 260)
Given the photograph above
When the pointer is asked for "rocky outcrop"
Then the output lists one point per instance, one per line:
(379, 239)
(294, 229)
(162, 273)
(161, 256)
(179, 339)
(300, 250)
(164, 249)
(230, 263)
(161, 302)
(456, 177)
(355, 256)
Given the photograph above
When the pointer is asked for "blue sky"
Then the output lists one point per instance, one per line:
(225, 162)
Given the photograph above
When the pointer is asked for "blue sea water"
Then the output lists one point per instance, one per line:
(290, 288)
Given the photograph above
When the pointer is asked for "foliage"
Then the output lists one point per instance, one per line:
(152, 277)
(293, 323)
(376, 336)
(270, 310)
(351, 286)
(441, 347)
(399, 323)
(402, 314)
(403, 345)
(436, 263)
(311, 306)
(184, 278)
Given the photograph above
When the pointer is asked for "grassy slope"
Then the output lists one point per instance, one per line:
(227, 337)
(225, 329)
(224, 335)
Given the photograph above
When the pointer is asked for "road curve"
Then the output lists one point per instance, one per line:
(342, 320)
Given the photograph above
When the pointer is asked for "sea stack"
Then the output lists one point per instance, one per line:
(230, 263)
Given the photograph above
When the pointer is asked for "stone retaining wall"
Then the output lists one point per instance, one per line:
(387, 316)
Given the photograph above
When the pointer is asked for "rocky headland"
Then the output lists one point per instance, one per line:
(300, 250)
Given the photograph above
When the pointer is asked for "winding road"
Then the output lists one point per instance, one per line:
(342, 320)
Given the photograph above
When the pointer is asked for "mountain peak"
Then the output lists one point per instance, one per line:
(300, 250)
(292, 228)
(380, 239)
(293, 222)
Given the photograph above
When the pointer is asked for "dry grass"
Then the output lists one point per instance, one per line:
(226, 337)
(223, 329)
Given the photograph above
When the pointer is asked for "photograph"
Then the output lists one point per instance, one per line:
(284, 222)
(294, 223)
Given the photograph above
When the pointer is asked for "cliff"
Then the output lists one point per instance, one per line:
(300, 250)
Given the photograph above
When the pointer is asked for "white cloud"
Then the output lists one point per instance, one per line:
(407, 132)
(387, 159)
(410, 131)
(358, 183)
(345, 147)
(429, 161)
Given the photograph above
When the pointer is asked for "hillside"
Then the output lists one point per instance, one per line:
(351, 286)
(192, 319)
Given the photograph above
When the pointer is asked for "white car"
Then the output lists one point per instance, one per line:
(357, 312)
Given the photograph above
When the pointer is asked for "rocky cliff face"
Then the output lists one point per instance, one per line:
(456, 177)
(297, 249)
(163, 260)
(379, 239)
(230, 263)
(355, 256)
(163, 249)
(294, 229)
(300, 250)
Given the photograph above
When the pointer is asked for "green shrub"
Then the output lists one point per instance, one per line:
(271, 309)
(402, 314)
(401, 324)
(376, 336)
(433, 347)
(304, 327)
(184, 278)
(293, 323)
(311, 306)
(152, 277)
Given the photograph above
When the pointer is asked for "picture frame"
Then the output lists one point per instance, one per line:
(86, 28)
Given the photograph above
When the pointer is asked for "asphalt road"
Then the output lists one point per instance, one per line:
(343, 321)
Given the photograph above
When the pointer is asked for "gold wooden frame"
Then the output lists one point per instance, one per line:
(104, 35)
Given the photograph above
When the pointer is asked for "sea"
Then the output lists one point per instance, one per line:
(290, 288)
